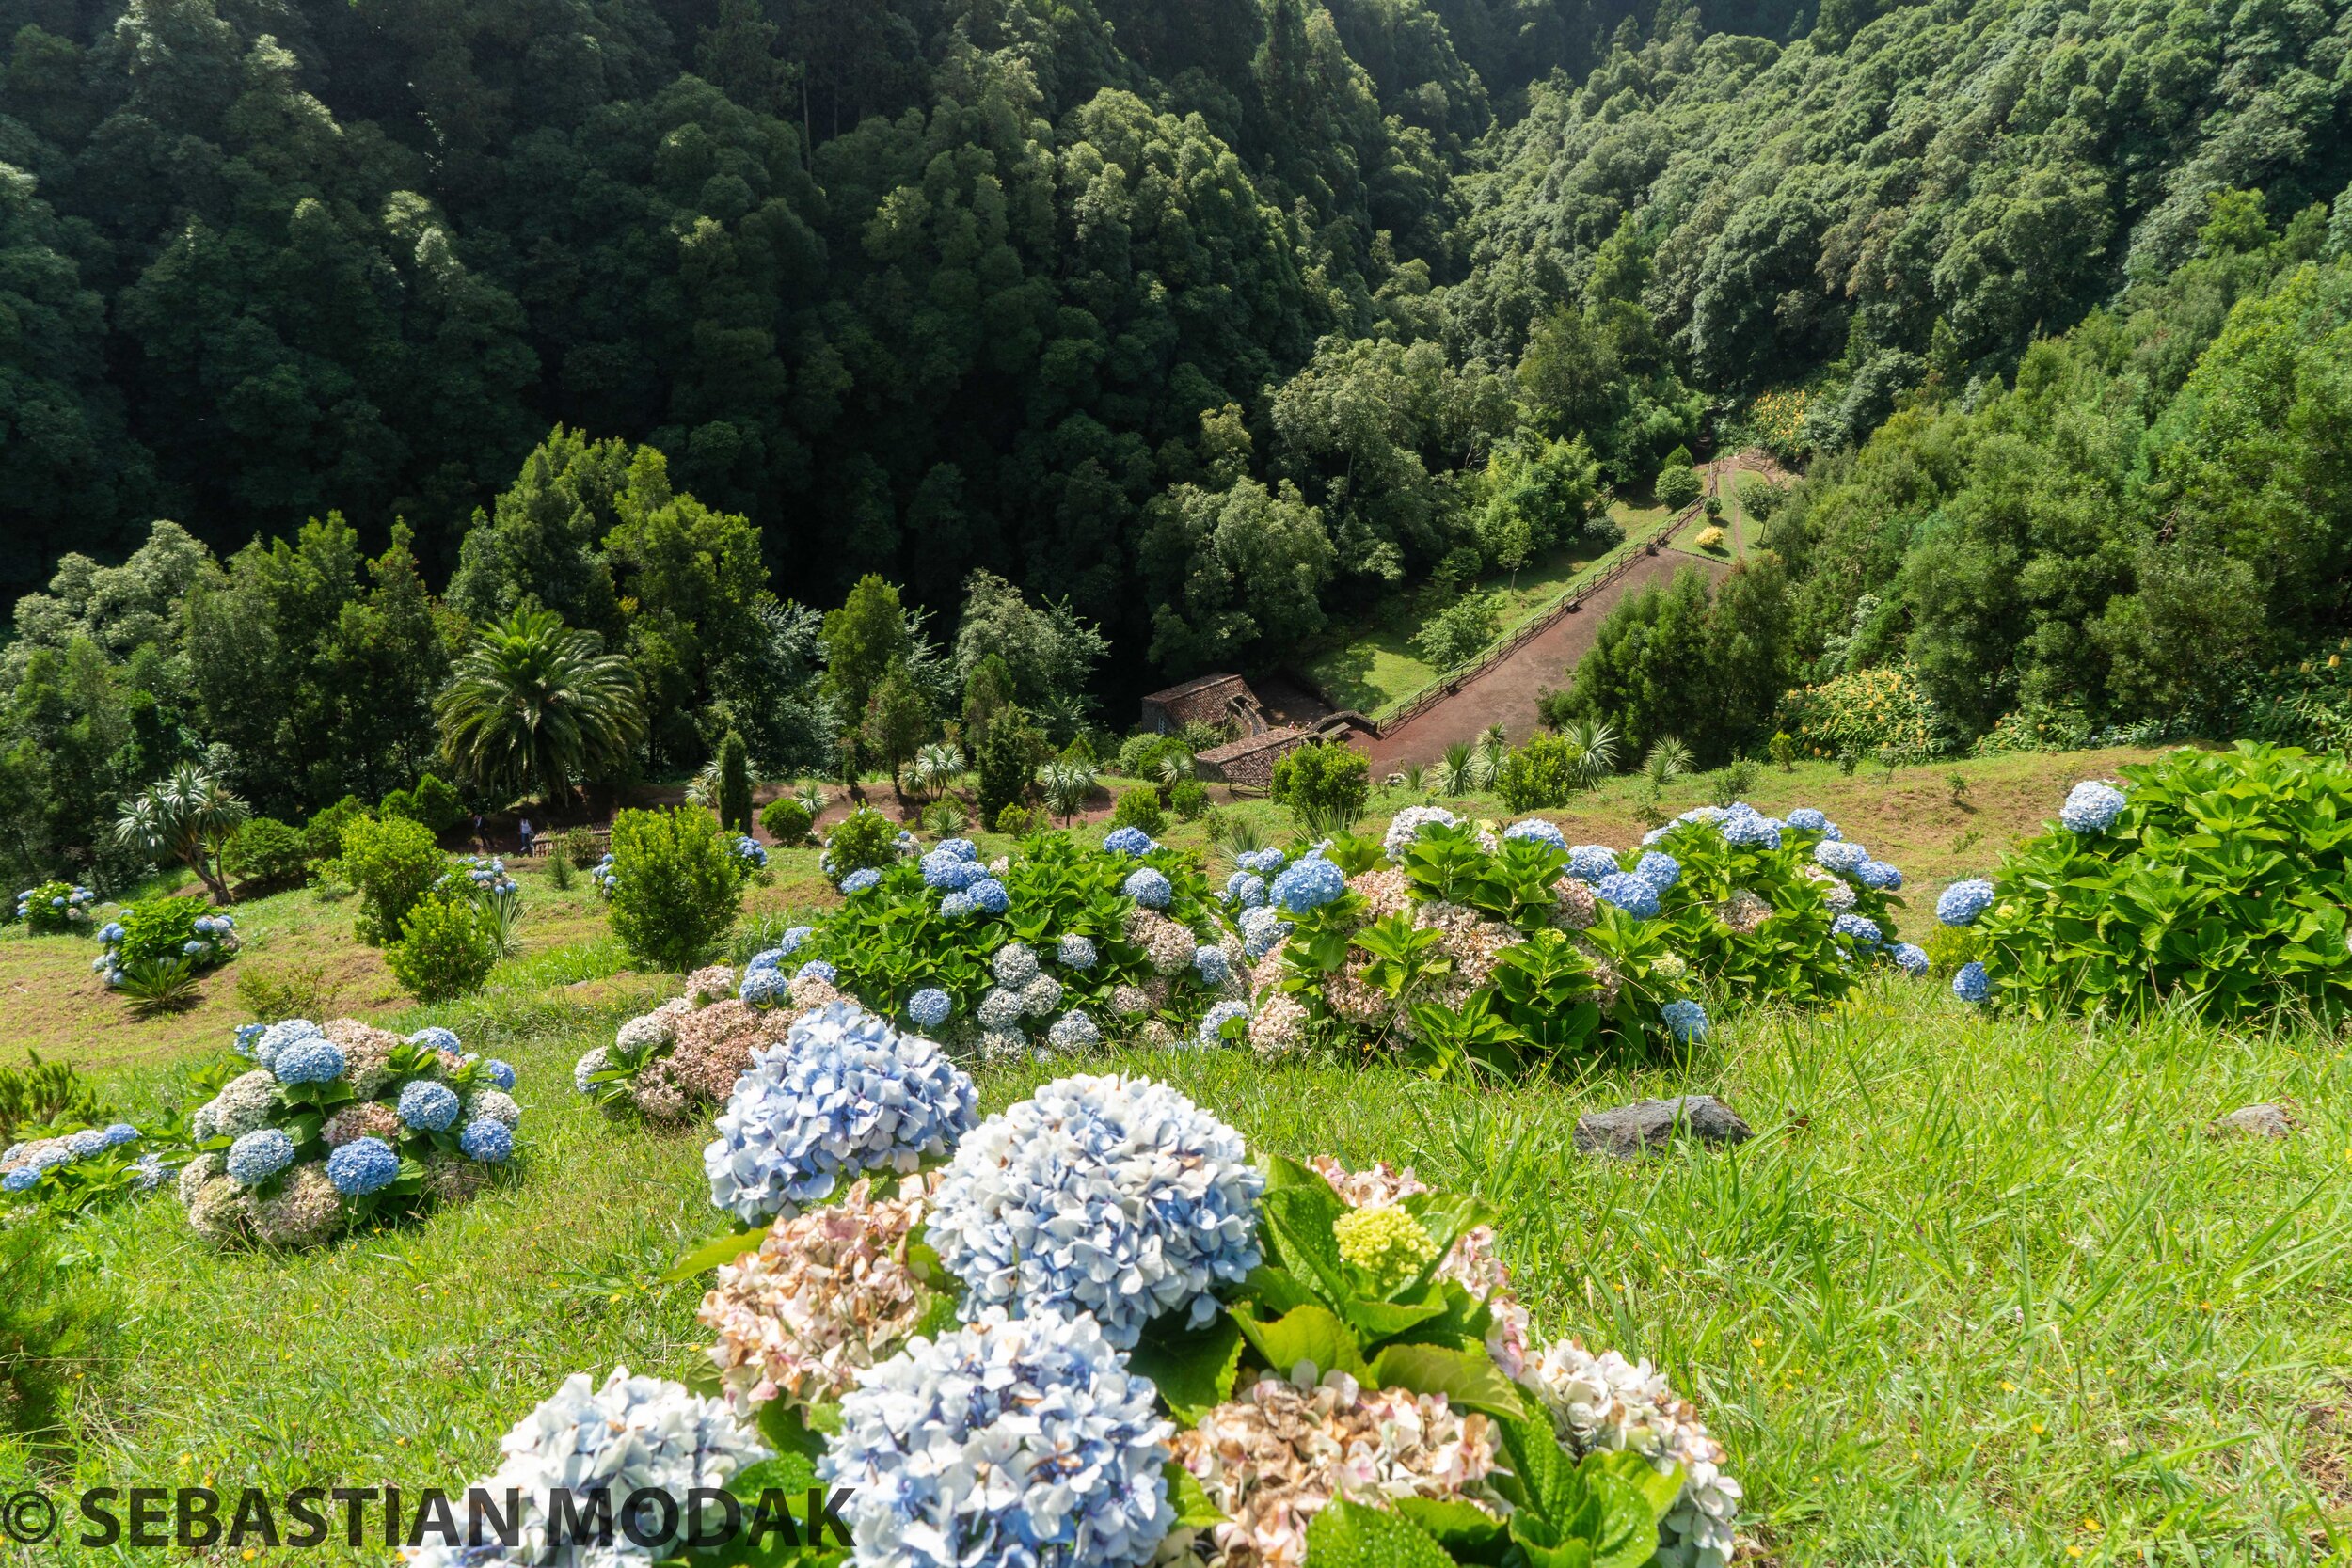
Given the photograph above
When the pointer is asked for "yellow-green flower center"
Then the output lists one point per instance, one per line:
(1387, 1243)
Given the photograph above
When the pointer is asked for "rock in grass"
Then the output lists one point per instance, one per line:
(1632, 1131)
(2256, 1121)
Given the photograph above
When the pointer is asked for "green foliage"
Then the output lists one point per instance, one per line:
(322, 835)
(48, 1325)
(561, 872)
(1145, 756)
(51, 911)
(1189, 799)
(266, 855)
(1016, 820)
(675, 885)
(157, 985)
(735, 784)
(46, 1094)
(579, 846)
(1678, 487)
(1459, 632)
(1138, 808)
(1005, 757)
(1547, 771)
(390, 862)
(1867, 713)
(534, 703)
(446, 948)
(2225, 885)
(1323, 785)
(269, 992)
(785, 820)
(862, 839)
(155, 930)
(187, 815)
(1705, 665)
(437, 804)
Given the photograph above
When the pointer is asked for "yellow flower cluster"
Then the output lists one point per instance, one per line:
(1779, 417)
(1387, 1242)
(1866, 712)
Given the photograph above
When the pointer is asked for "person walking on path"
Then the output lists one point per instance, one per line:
(525, 833)
(481, 845)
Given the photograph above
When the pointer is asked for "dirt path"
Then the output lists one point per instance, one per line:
(1507, 694)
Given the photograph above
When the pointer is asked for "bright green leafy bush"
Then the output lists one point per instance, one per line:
(1139, 807)
(390, 861)
(674, 884)
(447, 947)
(266, 855)
(787, 820)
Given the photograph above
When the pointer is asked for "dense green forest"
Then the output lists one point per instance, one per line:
(1175, 327)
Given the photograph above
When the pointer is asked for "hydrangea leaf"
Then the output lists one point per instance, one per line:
(720, 1249)
(1299, 1219)
(1355, 1535)
(1468, 1379)
(1193, 1369)
(1465, 1530)
(1190, 1499)
(1305, 1334)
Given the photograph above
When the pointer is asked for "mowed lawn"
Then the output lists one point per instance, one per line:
(1977, 1292)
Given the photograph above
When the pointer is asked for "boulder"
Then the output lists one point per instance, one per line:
(2255, 1121)
(1632, 1131)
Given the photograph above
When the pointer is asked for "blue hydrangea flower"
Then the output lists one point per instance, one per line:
(280, 1035)
(439, 1039)
(1128, 841)
(1014, 964)
(1809, 819)
(988, 896)
(1213, 1022)
(772, 958)
(315, 1060)
(790, 941)
(428, 1106)
(149, 1171)
(1111, 1195)
(1879, 875)
(958, 849)
(361, 1166)
(763, 988)
(1075, 951)
(1685, 1020)
(20, 1180)
(1261, 862)
(1050, 1408)
(844, 1094)
(1245, 888)
(498, 1074)
(1309, 885)
(1839, 856)
(1858, 929)
(948, 873)
(1074, 1031)
(1630, 893)
(1211, 964)
(1658, 869)
(859, 880)
(1910, 957)
(486, 1142)
(816, 968)
(118, 1134)
(1535, 827)
(2092, 807)
(1972, 984)
(259, 1155)
(1590, 863)
(1744, 825)
(1148, 887)
(1965, 902)
(111, 933)
(929, 1008)
(1261, 932)
(85, 1143)
(956, 906)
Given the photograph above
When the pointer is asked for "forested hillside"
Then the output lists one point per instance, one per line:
(1236, 298)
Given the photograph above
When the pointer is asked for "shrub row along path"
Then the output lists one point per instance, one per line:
(1505, 692)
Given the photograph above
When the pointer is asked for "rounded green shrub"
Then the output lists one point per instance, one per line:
(787, 820)
(863, 838)
(675, 885)
(580, 847)
(1324, 785)
(2222, 882)
(1678, 487)
(390, 862)
(1139, 807)
(1017, 820)
(54, 908)
(1189, 799)
(322, 835)
(266, 854)
(160, 930)
(446, 946)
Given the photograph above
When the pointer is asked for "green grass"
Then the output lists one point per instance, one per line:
(1371, 665)
(1979, 1292)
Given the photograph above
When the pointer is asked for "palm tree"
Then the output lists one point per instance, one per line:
(1067, 783)
(535, 702)
(937, 769)
(187, 815)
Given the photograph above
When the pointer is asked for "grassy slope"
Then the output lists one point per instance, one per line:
(1373, 665)
(1975, 1288)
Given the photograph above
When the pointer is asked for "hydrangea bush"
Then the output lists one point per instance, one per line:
(1155, 1348)
(1059, 946)
(1461, 949)
(165, 930)
(2220, 879)
(54, 908)
(68, 1171)
(684, 1056)
(332, 1125)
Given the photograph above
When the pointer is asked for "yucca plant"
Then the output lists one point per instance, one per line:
(1459, 772)
(188, 815)
(936, 770)
(154, 986)
(1237, 835)
(1066, 784)
(1595, 744)
(811, 797)
(945, 818)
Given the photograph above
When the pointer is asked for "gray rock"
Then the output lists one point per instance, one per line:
(2256, 1121)
(1632, 1131)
